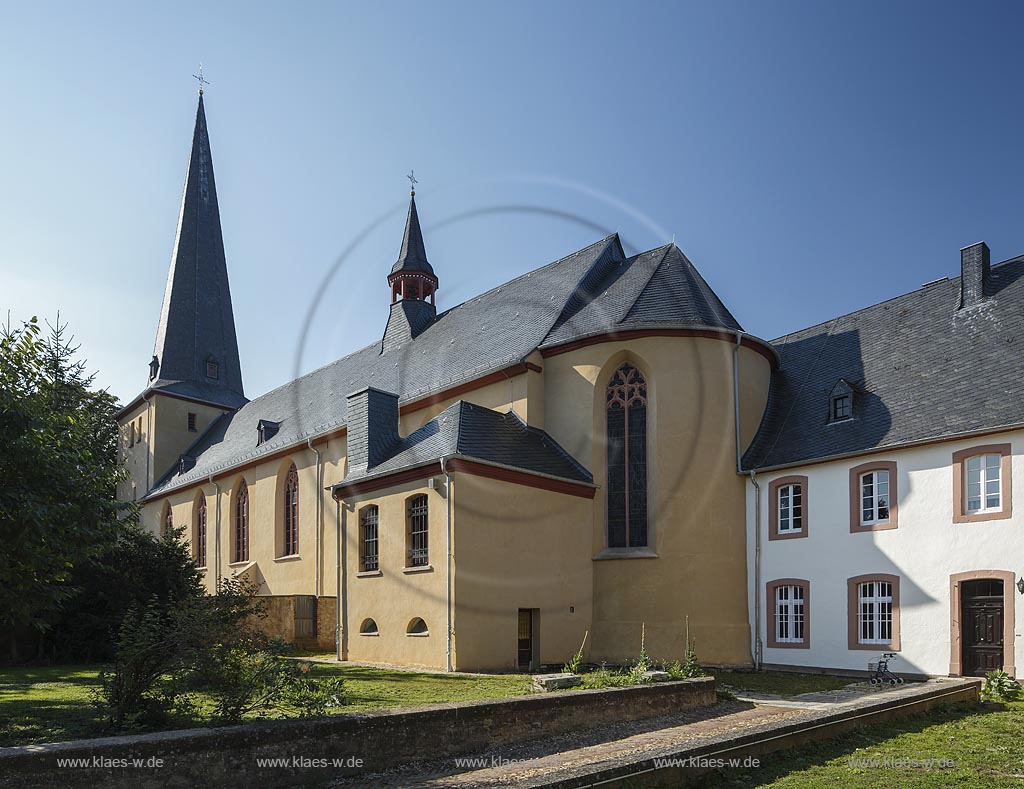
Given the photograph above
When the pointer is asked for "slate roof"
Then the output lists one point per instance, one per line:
(472, 431)
(595, 289)
(196, 321)
(413, 255)
(920, 368)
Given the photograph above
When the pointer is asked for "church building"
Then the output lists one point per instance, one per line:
(591, 449)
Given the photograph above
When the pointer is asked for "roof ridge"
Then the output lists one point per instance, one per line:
(951, 280)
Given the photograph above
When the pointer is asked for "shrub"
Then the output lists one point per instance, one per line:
(643, 663)
(306, 695)
(573, 666)
(1000, 686)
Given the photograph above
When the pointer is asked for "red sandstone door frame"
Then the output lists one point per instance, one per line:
(956, 636)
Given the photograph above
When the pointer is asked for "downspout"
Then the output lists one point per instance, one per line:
(319, 503)
(216, 533)
(448, 559)
(757, 504)
(149, 439)
(337, 580)
(758, 647)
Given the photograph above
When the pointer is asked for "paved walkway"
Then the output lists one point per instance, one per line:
(577, 753)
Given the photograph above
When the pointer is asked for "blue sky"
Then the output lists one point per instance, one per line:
(810, 158)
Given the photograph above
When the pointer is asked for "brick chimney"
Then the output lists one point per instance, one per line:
(975, 273)
(372, 425)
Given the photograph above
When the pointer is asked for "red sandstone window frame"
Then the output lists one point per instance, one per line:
(771, 593)
(853, 607)
(960, 458)
(290, 546)
(775, 488)
(856, 474)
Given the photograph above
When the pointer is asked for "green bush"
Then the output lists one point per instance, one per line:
(306, 695)
(1000, 686)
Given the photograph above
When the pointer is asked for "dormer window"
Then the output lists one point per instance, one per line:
(840, 402)
(212, 368)
(186, 463)
(840, 407)
(266, 430)
(154, 367)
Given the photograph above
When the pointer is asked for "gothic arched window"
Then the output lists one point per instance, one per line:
(199, 546)
(291, 513)
(242, 523)
(626, 404)
(168, 521)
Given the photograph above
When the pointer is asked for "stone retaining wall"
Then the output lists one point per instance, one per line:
(228, 756)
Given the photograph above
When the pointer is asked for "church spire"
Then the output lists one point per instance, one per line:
(412, 276)
(196, 350)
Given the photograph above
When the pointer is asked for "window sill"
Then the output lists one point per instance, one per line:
(625, 553)
(201, 568)
(292, 557)
(869, 527)
(888, 647)
(981, 516)
(369, 574)
(243, 563)
(427, 568)
(370, 635)
(417, 635)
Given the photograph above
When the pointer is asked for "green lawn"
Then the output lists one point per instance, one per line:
(984, 742)
(779, 683)
(51, 704)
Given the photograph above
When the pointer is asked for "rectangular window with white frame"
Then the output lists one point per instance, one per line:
(874, 612)
(789, 614)
(874, 497)
(984, 484)
(791, 509)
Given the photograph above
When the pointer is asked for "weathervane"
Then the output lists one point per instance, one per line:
(412, 182)
(199, 77)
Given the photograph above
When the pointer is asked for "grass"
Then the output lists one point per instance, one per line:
(983, 743)
(779, 683)
(52, 704)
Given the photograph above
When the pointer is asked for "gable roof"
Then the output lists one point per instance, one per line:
(594, 289)
(473, 431)
(920, 369)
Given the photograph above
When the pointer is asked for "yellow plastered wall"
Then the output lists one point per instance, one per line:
(135, 454)
(396, 594)
(519, 547)
(696, 499)
(170, 435)
(510, 394)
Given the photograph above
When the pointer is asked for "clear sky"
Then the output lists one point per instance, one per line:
(811, 158)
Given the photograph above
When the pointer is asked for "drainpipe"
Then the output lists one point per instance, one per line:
(149, 438)
(448, 559)
(758, 647)
(338, 534)
(736, 399)
(319, 502)
(216, 533)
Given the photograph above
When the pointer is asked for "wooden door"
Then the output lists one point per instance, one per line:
(981, 623)
(525, 638)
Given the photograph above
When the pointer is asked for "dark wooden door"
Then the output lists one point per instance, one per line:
(525, 638)
(981, 623)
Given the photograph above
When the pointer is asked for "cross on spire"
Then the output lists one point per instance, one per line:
(199, 77)
(412, 182)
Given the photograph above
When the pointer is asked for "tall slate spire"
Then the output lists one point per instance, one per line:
(196, 351)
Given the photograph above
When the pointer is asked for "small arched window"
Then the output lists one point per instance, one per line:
(242, 523)
(291, 513)
(168, 523)
(199, 542)
(417, 627)
(368, 628)
(626, 406)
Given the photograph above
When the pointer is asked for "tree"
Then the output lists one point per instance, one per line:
(58, 472)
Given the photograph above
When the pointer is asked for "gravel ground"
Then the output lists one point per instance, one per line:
(565, 754)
